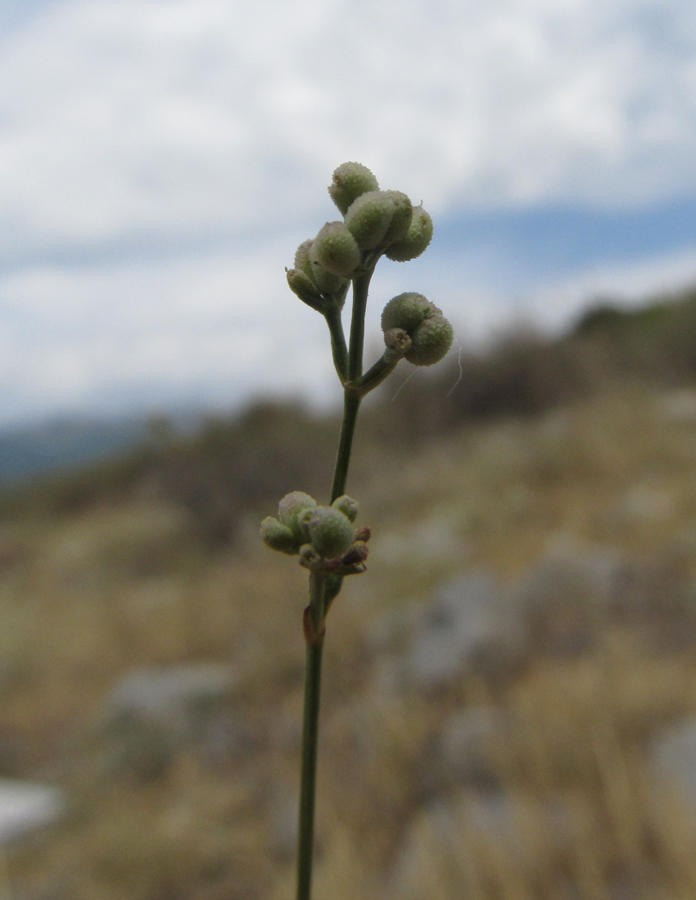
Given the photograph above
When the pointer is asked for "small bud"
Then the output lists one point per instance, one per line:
(303, 287)
(347, 506)
(406, 311)
(330, 532)
(303, 523)
(369, 218)
(290, 508)
(419, 235)
(397, 342)
(401, 220)
(278, 536)
(351, 563)
(309, 558)
(431, 341)
(350, 181)
(363, 534)
(335, 249)
(357, 554)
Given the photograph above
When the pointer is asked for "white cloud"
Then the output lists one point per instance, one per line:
(209, 331)
(128, 115)
(479, 309)
(216, 329)
(157, 155)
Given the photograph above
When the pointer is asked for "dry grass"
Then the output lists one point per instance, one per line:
(91, 594)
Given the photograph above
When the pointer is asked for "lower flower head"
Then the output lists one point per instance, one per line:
(330, 532)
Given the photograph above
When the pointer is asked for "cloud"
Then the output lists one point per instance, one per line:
(204, 331)
(212, 331)
(160, 159)
(178, 115)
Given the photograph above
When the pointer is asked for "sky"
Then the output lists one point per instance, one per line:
(160, 160)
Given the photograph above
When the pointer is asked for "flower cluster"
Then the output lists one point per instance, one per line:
(322, 536)
(375, 222)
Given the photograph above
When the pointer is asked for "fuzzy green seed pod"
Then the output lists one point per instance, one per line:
(347, 506)
(430, 333)
(326, 282)
(303, 287)
(369, 218)
(278, 536)
(289, 510)
(431, 341)
(350, 181)
(330, 532)
(419, 235)
(401, 220)
(335, 249)
(406, 311)
(302, 261)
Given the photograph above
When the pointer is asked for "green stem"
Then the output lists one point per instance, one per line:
(314, 635)
(361, 285)
(351, 402)
(349, 368)
(351, 405)
(338, 342)
(375, 375)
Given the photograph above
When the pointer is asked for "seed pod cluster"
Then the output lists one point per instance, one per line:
(412, 316)
(315, 533)
(374, 221)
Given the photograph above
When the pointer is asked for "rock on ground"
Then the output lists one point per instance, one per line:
(452, 843)
(25, 807)
(463, 750)
(152, 713)
(467, 629)
(673, 758)
(565, 597)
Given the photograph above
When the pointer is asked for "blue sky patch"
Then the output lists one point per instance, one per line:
(549, 242)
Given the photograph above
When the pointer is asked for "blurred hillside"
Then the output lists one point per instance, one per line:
(231, 466)
(509, 704)
(31, 451)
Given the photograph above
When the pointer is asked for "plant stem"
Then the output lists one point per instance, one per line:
(375, 375)
(357, 325)
(351, 402)
(338, 342)
(314, 635)
(349, 367)
(351, 405)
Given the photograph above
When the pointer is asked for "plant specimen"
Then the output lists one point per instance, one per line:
(375, 223)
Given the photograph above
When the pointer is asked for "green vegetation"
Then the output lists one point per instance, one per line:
(239, 465)
(154, 560)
